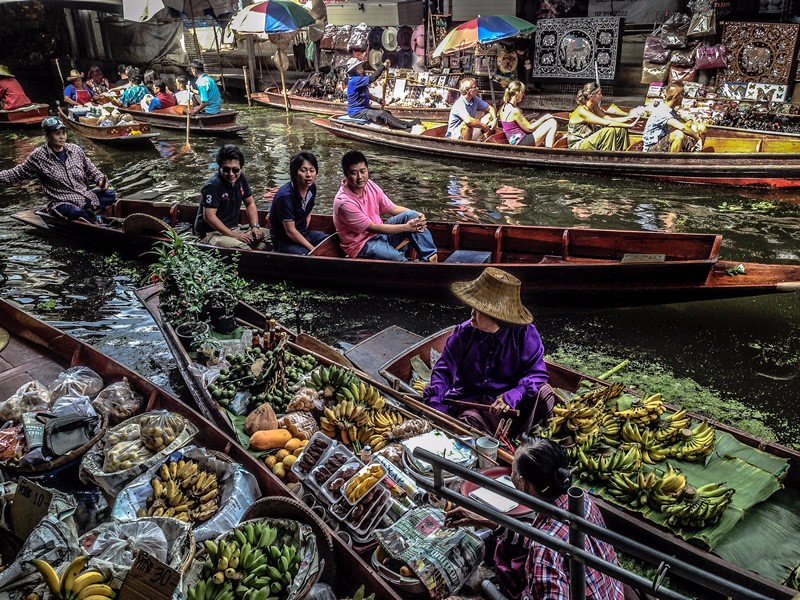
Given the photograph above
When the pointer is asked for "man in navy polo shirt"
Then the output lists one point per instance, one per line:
(217, 221)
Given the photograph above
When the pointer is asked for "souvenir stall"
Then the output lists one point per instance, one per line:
(736, 74)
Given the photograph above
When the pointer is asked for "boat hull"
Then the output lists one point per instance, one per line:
(755, 169)
(555, 265)
(120, 136)
(220, 124)
(27, 116)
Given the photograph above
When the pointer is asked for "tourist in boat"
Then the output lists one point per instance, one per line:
(519, 131)
(122, 73)
(217, 220)
(527, 569)
(135, 92)
(664, 130)
(148, 79)
(65, 173)
(210, 99)
(358, 97)
(184, 94)
(357, 210)
(77, 93)
(591, 128)
(96, 80)
(12, 96)
(163, 98)
(470, 115)
(290, 213)
(496, 358)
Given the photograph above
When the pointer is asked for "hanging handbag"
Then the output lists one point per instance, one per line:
(654, 50)
(342, 37)
(683, 58)
(682, 74)
(711, 57)
(65, 434)
(674, 31)
(328, 36)
(703, 23)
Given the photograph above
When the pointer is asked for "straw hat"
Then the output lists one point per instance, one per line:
(495, 293)
(352, 63)
(316, 30)
(74, 74)
(375, 58)
(281, 60)
(143, 224)
(389, 39)
(4, 72)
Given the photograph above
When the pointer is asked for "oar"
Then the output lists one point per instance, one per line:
(187, 145)
(385, 85)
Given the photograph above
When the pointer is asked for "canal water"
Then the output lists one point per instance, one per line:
(729, 353)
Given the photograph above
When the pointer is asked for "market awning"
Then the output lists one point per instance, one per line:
(112, 6)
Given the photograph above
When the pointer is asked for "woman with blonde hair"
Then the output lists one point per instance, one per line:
(592, 128)
(518, 130)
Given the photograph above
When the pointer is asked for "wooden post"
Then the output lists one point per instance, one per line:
(283, 89)
(247, 87)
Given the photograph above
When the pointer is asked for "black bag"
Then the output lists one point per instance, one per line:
(64, 434)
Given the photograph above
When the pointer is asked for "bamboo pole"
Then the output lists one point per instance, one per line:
(247, 87)
(283, 89)
(385, 87)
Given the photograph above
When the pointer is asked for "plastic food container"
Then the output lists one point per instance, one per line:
(341, 510)
(331, 463)
(352, 467)
(373, 473)
(372, 514)
(319, 441)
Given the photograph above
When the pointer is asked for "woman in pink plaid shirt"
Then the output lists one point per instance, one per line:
(527, 570)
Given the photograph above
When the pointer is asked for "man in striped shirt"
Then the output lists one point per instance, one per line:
(65, 173)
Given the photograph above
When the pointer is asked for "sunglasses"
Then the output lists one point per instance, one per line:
(234, 170)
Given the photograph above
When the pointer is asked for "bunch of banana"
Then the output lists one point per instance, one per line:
(643, 411)
(419, 385)
(183, 490)
(74, 585)
(385, 421)
(601, 393)
(580, 418)
(702, 508)
(329, 380)
(652, 451)
(587, 445)
(361, 393)
(669, 425)
(694, 444)
(603, 466)
(633, 489)
(344, 419)
(224, 559)
(668, 490)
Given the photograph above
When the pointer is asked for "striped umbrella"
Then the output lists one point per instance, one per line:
(483, 30)
(272, 16)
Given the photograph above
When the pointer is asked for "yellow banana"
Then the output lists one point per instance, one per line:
(86, 579)
(49, 574)
(97, 589)
(71, 572)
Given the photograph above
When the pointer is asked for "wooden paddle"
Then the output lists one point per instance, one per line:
(482, 407)
(187, 145)
(385, 86)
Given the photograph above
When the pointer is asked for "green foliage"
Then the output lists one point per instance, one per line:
(191, 277)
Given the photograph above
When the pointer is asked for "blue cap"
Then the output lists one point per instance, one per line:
(52, 124)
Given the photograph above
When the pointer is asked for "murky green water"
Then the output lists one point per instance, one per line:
(720, 344)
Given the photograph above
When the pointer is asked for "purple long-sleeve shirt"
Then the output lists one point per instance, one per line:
(480, 366)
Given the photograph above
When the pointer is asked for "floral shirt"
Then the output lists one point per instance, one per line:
(63, 182)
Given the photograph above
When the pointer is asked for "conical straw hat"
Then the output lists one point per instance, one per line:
(495, 293)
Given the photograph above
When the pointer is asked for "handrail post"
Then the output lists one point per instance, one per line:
(577, 570)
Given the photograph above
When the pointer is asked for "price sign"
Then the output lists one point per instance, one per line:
(31, 503)
(149, 579)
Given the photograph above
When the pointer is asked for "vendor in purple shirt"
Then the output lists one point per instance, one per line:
(496, 358)
(358, 97)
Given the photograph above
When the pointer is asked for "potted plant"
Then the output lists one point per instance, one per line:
(192, 333)
(220, 306)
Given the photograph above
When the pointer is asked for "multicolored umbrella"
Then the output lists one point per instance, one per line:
(272, 16)
(483, 30)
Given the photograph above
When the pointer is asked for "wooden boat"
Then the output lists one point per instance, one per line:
(40, 350)
(26, 116)
(122, 136)
(398, 370)
(724, 161)
(223, 123)
(274, 99)
(564, 265)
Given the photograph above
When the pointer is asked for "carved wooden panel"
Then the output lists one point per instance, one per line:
(570, 48)
(760, 52)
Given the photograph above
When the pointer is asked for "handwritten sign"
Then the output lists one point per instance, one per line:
(149, 579)
(31, 503)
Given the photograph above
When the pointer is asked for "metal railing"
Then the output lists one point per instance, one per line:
(579, 528)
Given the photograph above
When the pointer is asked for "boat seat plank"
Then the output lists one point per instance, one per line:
(473, 257)
(375, 351)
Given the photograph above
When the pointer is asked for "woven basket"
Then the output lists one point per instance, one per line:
(284, 507)
(142, 224)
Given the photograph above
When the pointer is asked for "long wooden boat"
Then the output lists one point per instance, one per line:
(38, 350)
(274, 99)
(723, 161)
(223, 123)
(25, 116)
(564, 265)
(122, 136)
(398, 372)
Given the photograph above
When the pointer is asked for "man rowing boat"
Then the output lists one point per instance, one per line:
(12, 96)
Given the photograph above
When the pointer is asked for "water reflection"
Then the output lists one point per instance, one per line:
(723, 344)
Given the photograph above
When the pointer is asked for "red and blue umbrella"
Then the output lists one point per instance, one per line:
(483, 30)
(272, 16)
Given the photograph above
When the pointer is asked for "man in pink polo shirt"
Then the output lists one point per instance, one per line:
(357, 210)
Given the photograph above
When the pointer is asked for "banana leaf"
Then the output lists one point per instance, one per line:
(420, 369)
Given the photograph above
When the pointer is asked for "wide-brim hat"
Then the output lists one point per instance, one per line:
(403, 59)
(4, 72)
(316, 31)
(375, 58)
(507, 61)
(374, 37)
(281, 60)
(495, 293)
(317, 9)
(418, 40)
(352, 63)
(418, 63)
(143, 224)
(74, 75)
(389, 39)
(404, 37)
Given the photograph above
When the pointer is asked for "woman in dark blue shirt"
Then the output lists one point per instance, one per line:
(290, 213)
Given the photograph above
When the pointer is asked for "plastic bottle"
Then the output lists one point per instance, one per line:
(366, 454)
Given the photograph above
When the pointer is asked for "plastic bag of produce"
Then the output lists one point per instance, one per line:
(125, 455)
(30, 397)
(118, 401)
(194, 490)
(305, 399)
(12, 442)
(71, 405)
(300, 424)
(111, 483)
(157, 430)
(77, 381)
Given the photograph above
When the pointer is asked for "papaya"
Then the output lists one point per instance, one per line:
(269, 440)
